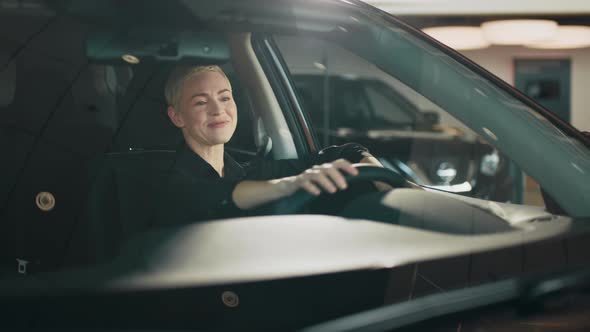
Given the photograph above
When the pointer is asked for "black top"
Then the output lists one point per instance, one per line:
(196, 192)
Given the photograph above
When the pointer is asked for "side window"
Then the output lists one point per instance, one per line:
(350, 99)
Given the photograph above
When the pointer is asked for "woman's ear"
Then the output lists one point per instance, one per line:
(175, 117)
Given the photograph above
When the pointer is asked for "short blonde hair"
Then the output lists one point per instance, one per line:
(179, 75)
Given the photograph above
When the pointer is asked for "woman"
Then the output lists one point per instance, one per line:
(207, 183)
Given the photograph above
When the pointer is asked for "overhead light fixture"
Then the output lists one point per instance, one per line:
(459, 37)
(319, 65)
(518, 32)
(569, 36)
(131, 59)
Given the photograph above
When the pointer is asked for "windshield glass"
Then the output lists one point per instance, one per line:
(431, 117)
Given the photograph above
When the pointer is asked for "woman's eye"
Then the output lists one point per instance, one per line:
(225, 99)
(200, 103)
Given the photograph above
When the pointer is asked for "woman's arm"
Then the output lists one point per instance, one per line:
(326, 177)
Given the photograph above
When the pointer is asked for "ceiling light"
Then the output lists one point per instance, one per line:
(571, 36)
(130, 59)
(319, 65)
(518, 32)
(459, 37)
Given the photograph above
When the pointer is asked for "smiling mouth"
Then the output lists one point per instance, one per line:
(219, 124)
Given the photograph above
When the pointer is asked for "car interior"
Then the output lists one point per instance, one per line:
(124, 142)
(126, 180)
(123, 138)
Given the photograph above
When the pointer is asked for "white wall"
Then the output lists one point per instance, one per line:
(480, 7)
(500, 61)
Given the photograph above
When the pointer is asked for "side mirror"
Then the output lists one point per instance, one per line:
(431, 117)
(427, 120)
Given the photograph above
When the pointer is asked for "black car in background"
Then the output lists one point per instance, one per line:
(411, 141)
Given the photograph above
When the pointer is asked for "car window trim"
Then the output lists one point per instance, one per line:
(306, 142)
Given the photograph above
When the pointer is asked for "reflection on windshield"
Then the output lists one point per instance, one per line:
(487, 125)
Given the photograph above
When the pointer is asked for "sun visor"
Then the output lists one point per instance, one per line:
(158, 45)
(7, 84)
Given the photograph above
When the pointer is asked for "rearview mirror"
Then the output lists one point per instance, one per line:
(159, 45)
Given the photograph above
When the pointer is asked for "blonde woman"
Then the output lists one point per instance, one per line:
(208, 183)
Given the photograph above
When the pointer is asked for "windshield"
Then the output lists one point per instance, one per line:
(439, 120)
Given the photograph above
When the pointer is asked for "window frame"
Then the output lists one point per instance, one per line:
(279, 76)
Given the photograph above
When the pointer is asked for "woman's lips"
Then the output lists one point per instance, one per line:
(218, 124)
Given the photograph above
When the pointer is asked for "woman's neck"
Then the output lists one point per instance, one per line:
(212, 154)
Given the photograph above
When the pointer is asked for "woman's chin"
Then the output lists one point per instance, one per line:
(214, 137)
(220, 138)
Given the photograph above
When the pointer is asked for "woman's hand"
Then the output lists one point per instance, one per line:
(327, 177)
(381, 186)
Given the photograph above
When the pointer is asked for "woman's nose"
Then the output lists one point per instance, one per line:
(216, 108)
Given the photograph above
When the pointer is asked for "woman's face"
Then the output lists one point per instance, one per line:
(208, 114)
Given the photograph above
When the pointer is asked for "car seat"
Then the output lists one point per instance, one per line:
(126, 182)
(120, 203)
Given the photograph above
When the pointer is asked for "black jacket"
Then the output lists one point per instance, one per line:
(196, 192)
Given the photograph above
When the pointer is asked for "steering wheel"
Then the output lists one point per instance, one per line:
(297, 201)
